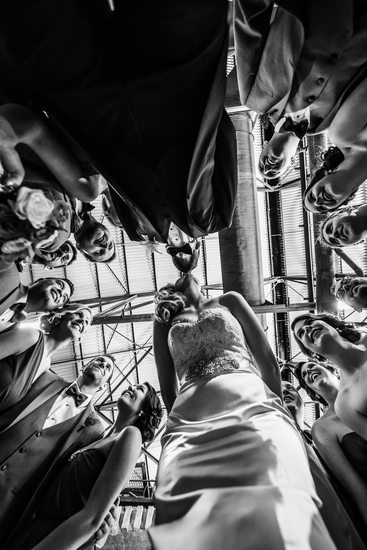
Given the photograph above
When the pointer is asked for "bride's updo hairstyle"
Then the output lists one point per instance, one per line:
(168, 303)
(51, 320)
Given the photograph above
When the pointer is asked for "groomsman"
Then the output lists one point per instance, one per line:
(53, 419)
(18, 300)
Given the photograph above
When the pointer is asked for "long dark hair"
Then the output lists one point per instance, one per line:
(150, 415)
(331, 158)
(51, 320)
(345, 329)
(297, 371)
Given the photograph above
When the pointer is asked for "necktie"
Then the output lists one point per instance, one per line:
(84, 213)
(74, 392)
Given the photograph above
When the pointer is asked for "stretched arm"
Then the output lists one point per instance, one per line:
(256, 339)
(17, 340)
(19, 124)
(116, 472)
(166, 371)
(329, 448)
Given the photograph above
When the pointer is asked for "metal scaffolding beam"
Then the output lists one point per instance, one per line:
(260, 309)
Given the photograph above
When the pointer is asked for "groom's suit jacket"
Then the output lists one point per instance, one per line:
(307, 53)
(27, 451)
(141, 90)
(9, 285)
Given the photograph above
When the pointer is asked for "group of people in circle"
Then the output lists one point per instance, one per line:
(140, 92)
(56, 468)
(334, 374)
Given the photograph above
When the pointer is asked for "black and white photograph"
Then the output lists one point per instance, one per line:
(183, 275)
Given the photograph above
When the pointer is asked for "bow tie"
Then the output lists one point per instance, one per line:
(18, 315)
(77, 395)
(173, 250)
(298, 128)
(84, 213)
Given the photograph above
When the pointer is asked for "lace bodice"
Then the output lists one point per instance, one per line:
(212, 345)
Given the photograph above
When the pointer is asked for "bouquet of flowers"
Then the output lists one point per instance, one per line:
(29, 219)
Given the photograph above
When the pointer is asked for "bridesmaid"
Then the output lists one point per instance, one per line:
(25, 352)
(325, 337)
(343, 451)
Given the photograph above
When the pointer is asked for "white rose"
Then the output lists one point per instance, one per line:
(34, 206)
(16, 248)
(16, 245)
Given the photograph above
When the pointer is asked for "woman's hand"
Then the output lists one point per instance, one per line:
(109, 523)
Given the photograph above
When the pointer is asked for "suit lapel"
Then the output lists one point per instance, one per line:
(73, 434)
(12, 298)
(46, 386)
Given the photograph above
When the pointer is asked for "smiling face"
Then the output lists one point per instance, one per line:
(74, 324)
(352, 291)
(98, 371)
(327, 193)
(95, 240)
(343, 229)
(49, 294)
(276, 157)
(316, 335)
(317, 377)
(62, 256)
(132, 400)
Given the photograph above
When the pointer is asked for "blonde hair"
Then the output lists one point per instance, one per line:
(50, 320)
(348, 209)
(168, 303)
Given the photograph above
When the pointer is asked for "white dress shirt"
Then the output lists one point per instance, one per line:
(65, 408)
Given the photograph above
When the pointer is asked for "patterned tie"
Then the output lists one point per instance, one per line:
(78, 396)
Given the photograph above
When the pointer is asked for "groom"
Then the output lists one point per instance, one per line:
(54, 418)
(141, 90)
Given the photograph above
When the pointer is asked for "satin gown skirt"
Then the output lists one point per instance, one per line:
(233, 473)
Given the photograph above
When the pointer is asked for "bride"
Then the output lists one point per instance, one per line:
(233, 471)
